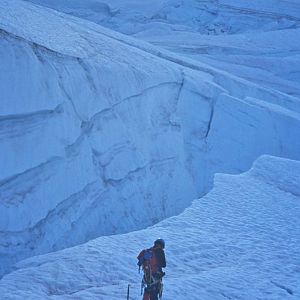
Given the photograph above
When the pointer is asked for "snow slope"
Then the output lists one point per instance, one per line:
(102, 133)
(253, 39)
(270, 59)
(204, 16)
(240, 241)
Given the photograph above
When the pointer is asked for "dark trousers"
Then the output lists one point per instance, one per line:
(152, 292)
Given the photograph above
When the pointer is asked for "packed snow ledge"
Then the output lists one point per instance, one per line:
(240, 241)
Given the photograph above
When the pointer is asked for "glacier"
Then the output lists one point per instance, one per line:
(105, 133)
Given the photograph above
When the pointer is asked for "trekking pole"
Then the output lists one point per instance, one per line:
(128, 287)
(161, 287)
(161, 290)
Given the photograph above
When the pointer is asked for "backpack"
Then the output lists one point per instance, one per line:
(148, 262)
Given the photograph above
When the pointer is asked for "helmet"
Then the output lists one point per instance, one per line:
(160, 242)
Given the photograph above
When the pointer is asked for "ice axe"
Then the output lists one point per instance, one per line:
(128, 288)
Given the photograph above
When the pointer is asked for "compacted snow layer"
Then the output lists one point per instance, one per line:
(102, 133)
(240, 241)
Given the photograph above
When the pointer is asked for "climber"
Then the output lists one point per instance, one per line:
(153, 261)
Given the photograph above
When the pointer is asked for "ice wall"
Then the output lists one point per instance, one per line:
(91, 140)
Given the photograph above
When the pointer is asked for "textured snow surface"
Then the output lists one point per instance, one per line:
(240, 241)
(103, 133)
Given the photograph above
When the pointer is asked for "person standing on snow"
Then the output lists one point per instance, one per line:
(153, 261)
